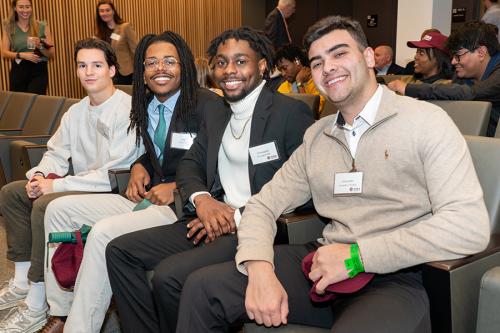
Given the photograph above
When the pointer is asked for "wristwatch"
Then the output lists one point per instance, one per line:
(18, 55)
(300, 84)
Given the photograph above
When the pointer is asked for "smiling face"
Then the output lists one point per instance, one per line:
(425, 65)
(341, 70)
(23, 9)
(469, 63)
(106, 13)
(93, 71)
(163, 81)
(237, 69)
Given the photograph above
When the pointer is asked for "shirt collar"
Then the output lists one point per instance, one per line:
(169, 103)
(369, 111)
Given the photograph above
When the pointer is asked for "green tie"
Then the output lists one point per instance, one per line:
(161, 132)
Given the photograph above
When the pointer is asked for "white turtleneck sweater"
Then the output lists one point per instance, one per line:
(233, 153)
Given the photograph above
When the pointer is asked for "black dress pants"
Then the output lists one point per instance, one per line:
(213, 299)
(29, 77)
(172, 257)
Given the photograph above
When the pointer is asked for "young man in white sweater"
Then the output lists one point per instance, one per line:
(93, 133)
(395, 179)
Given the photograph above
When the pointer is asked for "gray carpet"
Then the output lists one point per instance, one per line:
(111, 324)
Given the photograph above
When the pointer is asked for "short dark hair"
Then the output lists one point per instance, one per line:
(257, 40)
(291, 53)
(141, 96)
(472, 35)
(331, 23)
(94, 43)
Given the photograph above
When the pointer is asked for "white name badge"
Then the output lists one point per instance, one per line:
(348, 183)
(264, 153)
(115, 36)
(182, 140)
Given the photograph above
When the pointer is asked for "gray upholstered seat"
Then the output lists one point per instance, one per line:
(471, 117)
(4, 99)
(16, 110)
(311, 100)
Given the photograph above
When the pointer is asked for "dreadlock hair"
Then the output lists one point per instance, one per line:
(257, 40)
(142, 96)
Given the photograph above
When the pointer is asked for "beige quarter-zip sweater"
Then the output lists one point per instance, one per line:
(421, 198)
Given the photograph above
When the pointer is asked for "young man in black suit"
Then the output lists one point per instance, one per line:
(167, 109)
(238, 150)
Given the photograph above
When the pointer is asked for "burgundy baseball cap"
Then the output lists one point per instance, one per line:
(347, 286)
(429, 40)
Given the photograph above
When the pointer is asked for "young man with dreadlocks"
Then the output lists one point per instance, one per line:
(238, 150)
(167, 108)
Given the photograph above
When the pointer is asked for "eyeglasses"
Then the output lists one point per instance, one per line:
(458, 57)
(152, 64)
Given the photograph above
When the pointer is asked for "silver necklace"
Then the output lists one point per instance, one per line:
(237, 137)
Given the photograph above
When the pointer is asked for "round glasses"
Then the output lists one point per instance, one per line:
(152, 64)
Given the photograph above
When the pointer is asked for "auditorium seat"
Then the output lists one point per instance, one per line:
(20, 163)
(16, 110)
(329, 109)
(471, 117)
(452, 285)
(125, 88)
(4, 99)
(312, 101)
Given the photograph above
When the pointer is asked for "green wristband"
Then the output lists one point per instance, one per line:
(354, 264)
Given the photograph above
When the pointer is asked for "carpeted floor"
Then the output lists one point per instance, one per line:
(111, 325)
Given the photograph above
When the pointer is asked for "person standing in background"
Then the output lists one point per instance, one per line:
(276, 27)
(111, 28)
(29, 44)
(492, 13)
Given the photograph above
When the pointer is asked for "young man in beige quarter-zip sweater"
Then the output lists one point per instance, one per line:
(396, 180)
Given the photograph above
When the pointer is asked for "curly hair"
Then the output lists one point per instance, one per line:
(257, 40)
(292, 53)
(141, 96)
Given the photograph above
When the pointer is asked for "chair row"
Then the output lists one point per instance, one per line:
(30, 118)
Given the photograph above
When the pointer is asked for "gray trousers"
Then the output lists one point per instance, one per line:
(213, 300)
(24, 225)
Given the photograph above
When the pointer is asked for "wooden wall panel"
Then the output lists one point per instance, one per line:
(198, 21)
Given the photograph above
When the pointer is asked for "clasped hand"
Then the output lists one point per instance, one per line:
(328, 265)
(214, 219)
(39, 186)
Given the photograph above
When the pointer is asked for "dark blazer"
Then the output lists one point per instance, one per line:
(165, 173)
(395, 69)
(276, 118)
(275, 29)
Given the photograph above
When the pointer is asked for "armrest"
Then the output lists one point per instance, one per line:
(299, 227)
(453, 288)
(5, 142)
(118, 179)
(10, 131)
(179, 209)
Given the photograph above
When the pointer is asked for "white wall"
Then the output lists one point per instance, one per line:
(416, 16)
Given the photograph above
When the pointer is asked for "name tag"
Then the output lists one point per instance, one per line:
(348, 183)
(115, 36)
(182, 140)
(264, 153)
(103, 129)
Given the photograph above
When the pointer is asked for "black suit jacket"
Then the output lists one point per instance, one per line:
(395, 69)
(276, 118)
(165, 173)
(275, 29)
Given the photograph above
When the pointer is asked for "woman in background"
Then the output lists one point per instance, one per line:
(111, 28)
(29, 44)
(204, 75)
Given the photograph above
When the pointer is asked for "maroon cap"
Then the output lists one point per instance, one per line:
(347, 286)
(431, 39)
